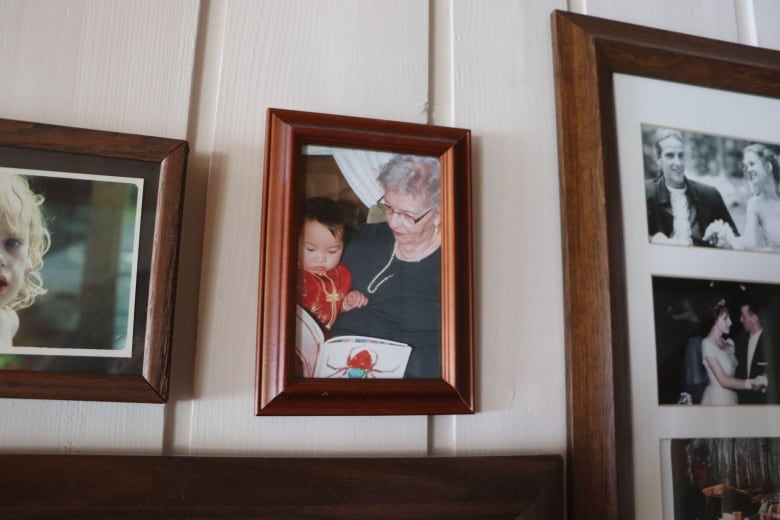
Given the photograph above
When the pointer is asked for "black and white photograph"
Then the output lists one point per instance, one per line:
(711, 190)
(726, 478)
(716, 341)
(662, 186)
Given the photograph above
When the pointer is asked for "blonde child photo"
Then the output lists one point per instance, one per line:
(24, 239)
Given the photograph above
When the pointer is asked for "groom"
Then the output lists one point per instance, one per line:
(679, 210)
(754, 357)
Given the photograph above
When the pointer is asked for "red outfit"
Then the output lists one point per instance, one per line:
(323, 294)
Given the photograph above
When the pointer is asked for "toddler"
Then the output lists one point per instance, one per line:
(24, 240)
(324, 284)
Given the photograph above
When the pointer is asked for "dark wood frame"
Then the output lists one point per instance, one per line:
(48, 147)
(94, 486)
(278, 391)
(587, 52)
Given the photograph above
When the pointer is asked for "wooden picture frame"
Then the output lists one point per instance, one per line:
(283, 388)
(588, 52)
(100, 486)
(112, 205)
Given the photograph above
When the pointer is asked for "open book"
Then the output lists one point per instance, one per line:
(355, 357)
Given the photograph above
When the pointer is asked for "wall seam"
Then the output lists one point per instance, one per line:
(201, 129)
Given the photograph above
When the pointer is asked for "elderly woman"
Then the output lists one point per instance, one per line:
(396, 265)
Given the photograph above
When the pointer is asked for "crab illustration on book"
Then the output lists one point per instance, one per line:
(361, 364)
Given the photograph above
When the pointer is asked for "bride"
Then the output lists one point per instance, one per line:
(762, 215)
(762, 223)
(720, 362)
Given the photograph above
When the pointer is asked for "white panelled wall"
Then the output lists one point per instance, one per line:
(206, 71)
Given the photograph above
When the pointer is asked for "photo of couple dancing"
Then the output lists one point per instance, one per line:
(713, 191)
(715, 343)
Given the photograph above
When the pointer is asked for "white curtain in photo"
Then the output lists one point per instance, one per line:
(359, 167)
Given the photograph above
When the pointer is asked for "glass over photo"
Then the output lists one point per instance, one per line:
(726, 478)
(369, 266)
(710, 190)
(67, 284)
(716, 342)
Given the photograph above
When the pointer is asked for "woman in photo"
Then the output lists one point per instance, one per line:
(762, 221)
(396, 264)
(720, 361)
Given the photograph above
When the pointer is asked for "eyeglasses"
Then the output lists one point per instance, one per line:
(405, 217)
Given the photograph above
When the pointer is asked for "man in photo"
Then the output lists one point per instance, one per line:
(753, 353)
(682, 211)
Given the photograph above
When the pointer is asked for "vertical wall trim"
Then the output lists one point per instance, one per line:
(201, 128)
(745, 15)
(441, 111)
(441, 106)
(442, 435)
(577, 6)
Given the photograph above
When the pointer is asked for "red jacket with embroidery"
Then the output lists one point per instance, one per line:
(323, 294)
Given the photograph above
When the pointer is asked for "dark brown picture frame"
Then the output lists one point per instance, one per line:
(100, 486)
(161, 164)
(587, 52)
(279, 392)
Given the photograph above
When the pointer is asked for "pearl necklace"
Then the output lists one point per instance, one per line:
(373, 285)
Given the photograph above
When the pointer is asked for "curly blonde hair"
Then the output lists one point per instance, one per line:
(21, 210)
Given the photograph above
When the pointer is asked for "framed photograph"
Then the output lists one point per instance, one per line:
(691, 316)
(365, 297)
(714, 477)
(89, 224)
(668, 151)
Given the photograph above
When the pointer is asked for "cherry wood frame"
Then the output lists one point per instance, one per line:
(58, 148)
(587, 52)
(95, 486)
(278, 391)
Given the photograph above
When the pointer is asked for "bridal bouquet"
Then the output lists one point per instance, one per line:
(720, 234)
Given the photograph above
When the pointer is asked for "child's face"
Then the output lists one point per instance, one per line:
(319, 250)
(13, 261)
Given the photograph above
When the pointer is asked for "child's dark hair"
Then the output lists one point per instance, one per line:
(330, 214)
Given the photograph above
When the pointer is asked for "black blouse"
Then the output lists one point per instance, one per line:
(405, 307)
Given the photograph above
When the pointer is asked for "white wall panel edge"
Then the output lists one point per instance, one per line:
(200, 135)
(708, 18)
(120, 67)
(509, 106)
